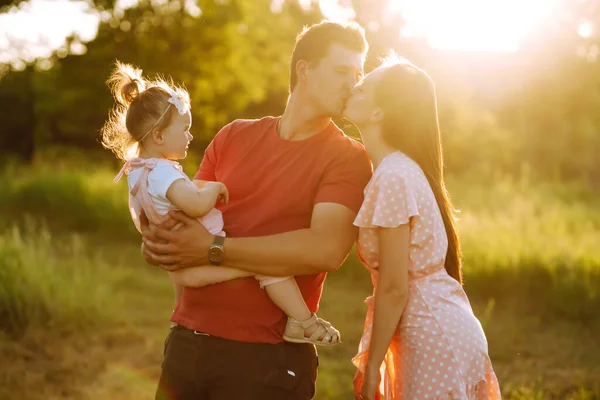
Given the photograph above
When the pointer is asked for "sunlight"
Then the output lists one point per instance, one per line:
(38, 27)
(473, 25)
(585, 29)
(469, 25)
(337, 10)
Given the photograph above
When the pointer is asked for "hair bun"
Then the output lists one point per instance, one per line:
(126, 83)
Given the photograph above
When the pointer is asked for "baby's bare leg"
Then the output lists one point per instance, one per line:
(204, 276)
(286, 295)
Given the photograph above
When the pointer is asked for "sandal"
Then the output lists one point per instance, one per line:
(324, 334)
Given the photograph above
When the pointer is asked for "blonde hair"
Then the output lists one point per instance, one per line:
(141, 105)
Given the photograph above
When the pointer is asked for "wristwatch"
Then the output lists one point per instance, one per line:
(216, 251)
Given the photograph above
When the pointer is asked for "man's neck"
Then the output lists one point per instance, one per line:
(300, 120)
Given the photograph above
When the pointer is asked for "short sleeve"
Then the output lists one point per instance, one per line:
(206, 171)
(345, 180)
(390, 201)
(162, 177)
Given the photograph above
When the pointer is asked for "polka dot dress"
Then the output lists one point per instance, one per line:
(439, 350)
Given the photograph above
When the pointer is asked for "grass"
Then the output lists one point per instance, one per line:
(537, 242)
(83, 317)
(49, 282)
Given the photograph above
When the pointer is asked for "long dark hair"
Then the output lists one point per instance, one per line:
(406, 94)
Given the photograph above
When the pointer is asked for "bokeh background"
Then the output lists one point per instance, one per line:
(83, 317)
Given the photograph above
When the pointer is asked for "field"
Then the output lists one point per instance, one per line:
(83, 317)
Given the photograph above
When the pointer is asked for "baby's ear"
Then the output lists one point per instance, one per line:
(157, 135)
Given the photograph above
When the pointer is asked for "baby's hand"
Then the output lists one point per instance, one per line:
(219, 188)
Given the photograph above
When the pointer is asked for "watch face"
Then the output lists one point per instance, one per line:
(216, 254)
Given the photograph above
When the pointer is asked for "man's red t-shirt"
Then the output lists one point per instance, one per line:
(273, 186)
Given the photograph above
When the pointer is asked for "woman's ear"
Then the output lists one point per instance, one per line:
(376, 115)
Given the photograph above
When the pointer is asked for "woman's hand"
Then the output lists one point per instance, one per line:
(370, 384)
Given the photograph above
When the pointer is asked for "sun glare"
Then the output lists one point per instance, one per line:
(585, 29)
(469, 25)
(38, 27)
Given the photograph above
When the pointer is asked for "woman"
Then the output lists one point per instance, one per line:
(420, 331)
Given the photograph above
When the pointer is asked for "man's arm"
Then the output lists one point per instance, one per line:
(321, 248)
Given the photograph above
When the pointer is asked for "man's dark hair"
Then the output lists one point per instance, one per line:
(313, 43)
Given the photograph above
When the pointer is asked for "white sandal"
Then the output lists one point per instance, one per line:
(324, 335)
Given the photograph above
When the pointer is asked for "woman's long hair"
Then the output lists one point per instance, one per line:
(406, 94)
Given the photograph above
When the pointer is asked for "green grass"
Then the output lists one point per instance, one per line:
(535, 241)
(73, 308)
(72, 196)
(505, 223)
(83, 317)
(68, 200)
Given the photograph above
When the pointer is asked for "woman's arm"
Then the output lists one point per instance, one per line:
(206, 275)
(196, 202)
(392, 291)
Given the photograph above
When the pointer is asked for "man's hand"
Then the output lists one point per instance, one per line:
(179, 242)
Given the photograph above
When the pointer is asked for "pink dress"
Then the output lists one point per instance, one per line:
(439, 350)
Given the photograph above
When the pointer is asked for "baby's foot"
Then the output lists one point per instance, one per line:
(313, 330)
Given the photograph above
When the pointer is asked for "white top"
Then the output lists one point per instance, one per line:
(160, 180)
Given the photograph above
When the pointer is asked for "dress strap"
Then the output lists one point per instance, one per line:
(135, 163)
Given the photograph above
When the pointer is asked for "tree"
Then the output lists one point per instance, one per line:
(19, 119)
(555, 112)
(227, 57)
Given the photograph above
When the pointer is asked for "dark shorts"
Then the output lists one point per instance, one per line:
(202, 367)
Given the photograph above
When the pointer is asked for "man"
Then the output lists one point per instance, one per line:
(295, 183)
